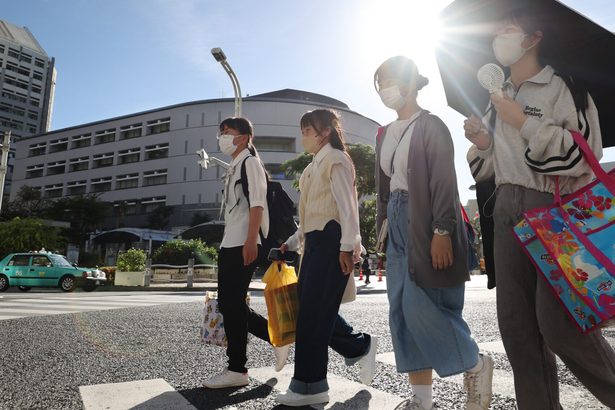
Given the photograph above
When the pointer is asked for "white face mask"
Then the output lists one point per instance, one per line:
(507, 48)
(392, 98)
(226, 144)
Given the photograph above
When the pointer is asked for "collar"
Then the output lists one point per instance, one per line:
(323, 152)
(240, 157)
(544, 76)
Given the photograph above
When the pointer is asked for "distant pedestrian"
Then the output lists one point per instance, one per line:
(238, 252)
(329, 230)
(366, 269)
(426, 251)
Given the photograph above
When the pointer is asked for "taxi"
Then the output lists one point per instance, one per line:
(46, 269)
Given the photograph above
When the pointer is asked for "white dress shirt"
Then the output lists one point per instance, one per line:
(236, 212)
(344, 193)
(393, 143)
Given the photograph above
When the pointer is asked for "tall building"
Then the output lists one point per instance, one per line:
(145, 160)
(27, 83)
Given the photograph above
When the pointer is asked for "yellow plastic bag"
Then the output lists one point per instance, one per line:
(282, 303)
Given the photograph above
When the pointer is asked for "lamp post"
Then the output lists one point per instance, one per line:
(4, 159)
(221, 58)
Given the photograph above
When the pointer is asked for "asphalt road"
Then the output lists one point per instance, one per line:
(45, 358)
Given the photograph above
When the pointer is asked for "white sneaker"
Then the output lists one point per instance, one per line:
(478, 385)
(281, 355)
(292, 399)
(227, 379)
(413, 403)
(367, 364)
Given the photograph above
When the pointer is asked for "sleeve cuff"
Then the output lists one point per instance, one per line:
(346, 247)
(484, 153)
(254, 204)
(530, 128)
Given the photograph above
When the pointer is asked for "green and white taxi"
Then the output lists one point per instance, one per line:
(45, 269)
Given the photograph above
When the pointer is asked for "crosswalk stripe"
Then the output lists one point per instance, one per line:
(343, 393)
(154, 394)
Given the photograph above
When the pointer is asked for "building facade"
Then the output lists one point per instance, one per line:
(142, 161)
(27, 84)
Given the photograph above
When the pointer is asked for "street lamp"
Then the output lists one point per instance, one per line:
(6, 142)
(221, 58)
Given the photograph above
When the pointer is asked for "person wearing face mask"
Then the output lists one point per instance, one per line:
(426, 251)
(238, 252)
(525, 141)
(329, 234)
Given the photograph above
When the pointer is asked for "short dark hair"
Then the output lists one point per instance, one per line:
(400, 68)
(322, 118)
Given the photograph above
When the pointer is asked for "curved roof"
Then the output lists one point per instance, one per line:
(132, 235)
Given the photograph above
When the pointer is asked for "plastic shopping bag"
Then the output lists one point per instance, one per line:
(282, 303)
(212, 329)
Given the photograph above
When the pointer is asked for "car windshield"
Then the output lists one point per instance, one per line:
(59, 261)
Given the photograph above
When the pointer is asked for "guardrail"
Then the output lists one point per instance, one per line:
(189, 274)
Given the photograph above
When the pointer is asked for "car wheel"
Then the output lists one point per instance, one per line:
(67, 283)
(4, 283)
(24, 288)
(89, 285)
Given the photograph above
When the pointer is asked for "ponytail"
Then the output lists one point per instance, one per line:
(323, 118)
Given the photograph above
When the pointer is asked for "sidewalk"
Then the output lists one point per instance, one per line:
(375, 287)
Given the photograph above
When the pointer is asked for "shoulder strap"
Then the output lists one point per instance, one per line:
(243, 180)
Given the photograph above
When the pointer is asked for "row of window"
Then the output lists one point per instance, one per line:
(17, 110)
(17, 125)
(22, 56)
(137, 206)
(104, 184)
(100, 137)
(20, 97)
(19, 69)
(24, 85)
(97, 161)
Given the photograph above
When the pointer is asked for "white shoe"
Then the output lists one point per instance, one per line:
(413, 403)
(292, 399)
(281, 355)
(367, 364)
(478, 385)
(227, 379)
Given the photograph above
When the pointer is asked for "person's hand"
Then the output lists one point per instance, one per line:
(476, 133)
(250, 251)
(509, 110)
(283, 248)
(441, 251)
(346, 262)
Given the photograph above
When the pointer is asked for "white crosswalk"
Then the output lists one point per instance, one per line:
(14, 307)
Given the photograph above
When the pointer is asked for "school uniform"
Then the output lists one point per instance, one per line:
(329, 223)
(233, 277)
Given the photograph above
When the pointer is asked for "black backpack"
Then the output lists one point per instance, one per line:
(281, 215)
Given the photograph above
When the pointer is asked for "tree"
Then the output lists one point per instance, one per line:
(367, 218)
(159, 217)
(28, 234)
(28, 203)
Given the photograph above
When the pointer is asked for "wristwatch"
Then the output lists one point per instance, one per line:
(440, 232)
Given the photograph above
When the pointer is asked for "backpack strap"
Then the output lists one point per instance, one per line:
(243, 180)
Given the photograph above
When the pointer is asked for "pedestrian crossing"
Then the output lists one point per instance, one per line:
(57, 304)
(344, 393)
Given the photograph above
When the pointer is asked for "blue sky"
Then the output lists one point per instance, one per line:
(116, 57)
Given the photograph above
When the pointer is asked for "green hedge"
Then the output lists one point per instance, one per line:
(178, 251)
(133, 260)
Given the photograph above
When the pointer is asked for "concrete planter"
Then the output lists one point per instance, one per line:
(129, 278)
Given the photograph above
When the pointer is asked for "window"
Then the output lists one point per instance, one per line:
(41, 260)
(103, 137)
(25, 57)
(149, 204)
(81, 141)
(102, 160)
(78, 164)
(158, 126)
(131, 131)
(101, 184)
(76, 187)
(157, 151)
(12, 96)
(127, 181)
(157, 177)
(58, 145)
(37, 76)
(34, 171)
(275, 171)
(53, 191)
(39, 63)
(128, 155)
(19, 260)
(36, 89)
(55, 168)
(35, 102)
(13, 53)
(128, 207)
(33, 115)
(275, 144)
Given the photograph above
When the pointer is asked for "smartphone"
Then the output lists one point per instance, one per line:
(276, 255)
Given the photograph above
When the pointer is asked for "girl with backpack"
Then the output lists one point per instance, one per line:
(426, 251)
(239, 251)
(329, 233)
(530, 145)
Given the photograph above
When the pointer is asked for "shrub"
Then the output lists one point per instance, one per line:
(178, 251)
(132, 260)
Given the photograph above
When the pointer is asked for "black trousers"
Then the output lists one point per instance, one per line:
(233, 282)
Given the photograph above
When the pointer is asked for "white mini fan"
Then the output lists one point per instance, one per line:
(491, 77)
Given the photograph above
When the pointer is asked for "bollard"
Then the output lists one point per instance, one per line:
(190, 273)
(361, 274)
(380, 270)
(148, 272)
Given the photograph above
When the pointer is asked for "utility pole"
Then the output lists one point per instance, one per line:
(6, 142)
